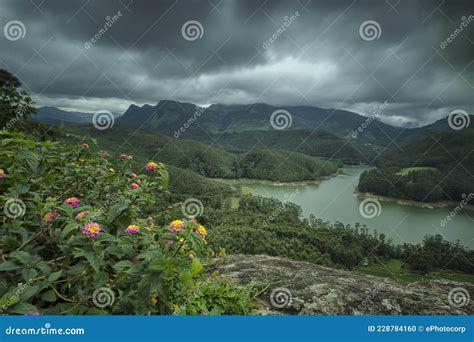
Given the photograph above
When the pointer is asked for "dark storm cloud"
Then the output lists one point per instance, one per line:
(246, 54)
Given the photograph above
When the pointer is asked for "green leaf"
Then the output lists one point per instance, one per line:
(29, 292)
(23, 308)
(31, 158)
(21, 256)
(122, 265)
(9, 266)
(68, 229)
(116, 210)
(94, 260)
(54, 276)
(196, 267)
(49, 296)
(28, 273)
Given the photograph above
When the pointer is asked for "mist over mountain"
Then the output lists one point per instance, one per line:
(56, 115)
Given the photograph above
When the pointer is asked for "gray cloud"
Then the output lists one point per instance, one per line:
(279, 52)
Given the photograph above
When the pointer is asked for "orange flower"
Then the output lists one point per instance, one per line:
(176, 226)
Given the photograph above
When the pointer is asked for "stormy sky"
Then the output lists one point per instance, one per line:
(340, 54)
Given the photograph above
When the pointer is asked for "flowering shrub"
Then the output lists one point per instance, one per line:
(78, 226)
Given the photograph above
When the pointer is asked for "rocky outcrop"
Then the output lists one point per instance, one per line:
(301, 288)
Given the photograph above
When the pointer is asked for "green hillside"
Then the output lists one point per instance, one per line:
(209, 161)
(314, 143)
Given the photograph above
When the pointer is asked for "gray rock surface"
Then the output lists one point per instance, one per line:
(301, 288)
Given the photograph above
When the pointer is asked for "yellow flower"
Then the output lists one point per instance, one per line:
(176, 226)
(151, 166)
(201, 231)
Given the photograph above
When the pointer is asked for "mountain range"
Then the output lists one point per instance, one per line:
(226, 124)
(55, 115)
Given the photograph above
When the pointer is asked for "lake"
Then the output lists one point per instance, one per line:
(334, 200)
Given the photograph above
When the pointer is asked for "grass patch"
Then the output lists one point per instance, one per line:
(395, 270)
(406, 171)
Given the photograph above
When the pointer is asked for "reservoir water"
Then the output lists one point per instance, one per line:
(334, 200)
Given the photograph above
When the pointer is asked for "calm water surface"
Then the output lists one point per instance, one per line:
(333, 200)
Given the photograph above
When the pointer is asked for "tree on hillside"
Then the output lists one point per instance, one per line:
(16, 106)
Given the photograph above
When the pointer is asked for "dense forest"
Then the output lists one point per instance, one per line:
(433, 169)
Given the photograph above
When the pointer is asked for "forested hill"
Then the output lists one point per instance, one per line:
(212, 162)
(440, 167)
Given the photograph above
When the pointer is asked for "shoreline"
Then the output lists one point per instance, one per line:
(406, 202)
(249, 181)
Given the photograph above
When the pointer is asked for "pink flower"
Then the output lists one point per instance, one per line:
(134, 186)
(151, 166)
(85, 146)
(50, 216)
(129, 157)
(2, 174)
(132, 175)
(176, 226)
(91, 230)
(81, 215)
(72, 201)
(103, 154)
(132, 229)
(123, 156)
(34, 313)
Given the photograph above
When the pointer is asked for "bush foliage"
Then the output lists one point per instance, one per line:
(82, 233)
